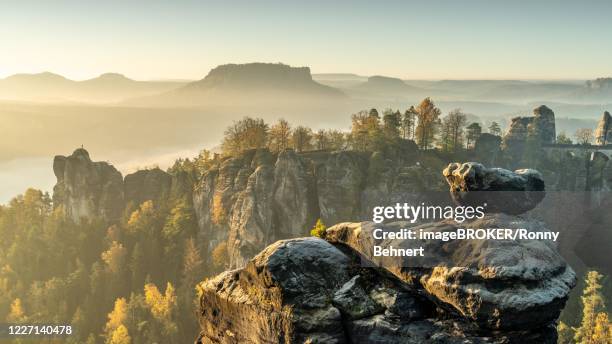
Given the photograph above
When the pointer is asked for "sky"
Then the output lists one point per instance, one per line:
(519, 39)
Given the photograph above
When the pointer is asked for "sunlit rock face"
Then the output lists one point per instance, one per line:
(86, 189)
(335, 290)
(252, 200)
(309, 290)
(603, 133)
(497, 284)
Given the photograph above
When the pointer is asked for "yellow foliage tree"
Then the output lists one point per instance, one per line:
(602, 333)
(593, 304)
(319, 229)
(114, 257)
(17, 314)
(161, 306)
(120, 336)
(117, 316)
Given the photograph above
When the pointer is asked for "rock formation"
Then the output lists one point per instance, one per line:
(254, 199)
(311, 290)
(488, 148)
(96, 190)
(87, 189)
(147, 185)
(501, 190)
(603, 133)
(539, 127)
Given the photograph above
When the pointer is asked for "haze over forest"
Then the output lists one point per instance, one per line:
(144, 90)
(145, 123)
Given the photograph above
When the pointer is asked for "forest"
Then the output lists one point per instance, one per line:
(136, 281)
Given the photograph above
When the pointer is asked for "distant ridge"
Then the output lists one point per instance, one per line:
(51, 87)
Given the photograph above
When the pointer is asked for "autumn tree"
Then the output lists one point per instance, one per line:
(162, 306)
(115, 330)
(319, 229)
(115, 257)
(427, 115)
(247, 133)
(302, 139)
(602, 333)
(120, 336)
(279, 136)
(593, 304)
(584, 136)
(17, 313)
(366, 132)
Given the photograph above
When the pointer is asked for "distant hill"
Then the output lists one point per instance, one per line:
(386, 87)
(250, 84)
(339, 80)
(594, 91)
(50, 87)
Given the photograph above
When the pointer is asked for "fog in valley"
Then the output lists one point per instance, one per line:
(136, 124)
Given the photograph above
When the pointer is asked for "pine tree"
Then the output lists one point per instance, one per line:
(494, 129)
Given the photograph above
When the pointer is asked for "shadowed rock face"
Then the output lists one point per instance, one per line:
(259, 197)
(87, 189)
(309, 291)
(497, 284)
(90, 190)
(501, 190)
(540, 127)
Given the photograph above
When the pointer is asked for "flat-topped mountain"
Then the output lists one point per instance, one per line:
(253, 82)
(253, 77)
(248, 85)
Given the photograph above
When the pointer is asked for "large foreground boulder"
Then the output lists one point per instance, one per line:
(309, 291)
(497, 284)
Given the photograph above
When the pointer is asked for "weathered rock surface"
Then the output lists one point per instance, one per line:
(96, 190)
(87, 189)
(501, 190)
(309, 291)
(147, 185)
(603, 132)
(488, 148)
(539, 127)
(497, 284)
(258, 197)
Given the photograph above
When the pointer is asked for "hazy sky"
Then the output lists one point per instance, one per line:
(409, 39)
